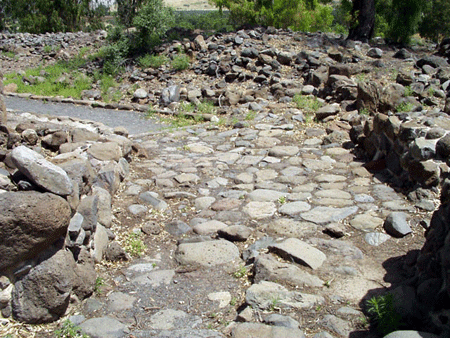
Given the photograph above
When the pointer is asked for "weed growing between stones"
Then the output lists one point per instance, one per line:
(241, 272)
(382, 313)
(152, 61)
(134, 245)
(250, 115)
(408, 91)
(308, 103)
(99, 282)
(404, 107)
(180, 62)
(69, 330)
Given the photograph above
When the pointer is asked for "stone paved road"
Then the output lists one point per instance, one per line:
(269, 224)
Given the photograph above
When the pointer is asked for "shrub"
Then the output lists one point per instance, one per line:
(210, 21)
(152, 22)
(180, 62)
(153, 61)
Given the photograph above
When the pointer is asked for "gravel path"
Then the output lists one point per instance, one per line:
(136, 123)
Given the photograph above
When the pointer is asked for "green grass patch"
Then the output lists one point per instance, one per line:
(60, 79)
(206, 107)
(309, 104)
(70, 330)
(404, 107)
(152, 61)
(9, 54)
(134, 245)
(180, 62)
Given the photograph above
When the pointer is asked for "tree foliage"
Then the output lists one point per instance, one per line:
(435, 23)
(310, 15)
(41, 16)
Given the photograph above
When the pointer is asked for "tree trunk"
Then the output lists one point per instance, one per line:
(365, 10)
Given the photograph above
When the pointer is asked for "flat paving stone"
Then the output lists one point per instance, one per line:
(300, 252)
(294, 208)
(208, 253)
(260, 210)
(366, 222)
(324, 215)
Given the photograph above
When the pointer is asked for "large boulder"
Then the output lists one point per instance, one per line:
(41, 172)
(30, 221)
(43, 295)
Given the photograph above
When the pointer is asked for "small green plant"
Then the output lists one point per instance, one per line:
(361, 77)
(186, 107)
(408, 91)
(48, 49)
(364, 111)
(134, 245)
(180, 62)
(382, 312)
(241, 272)
(404, 107)
(309, 104)
(70, 330)
(274, 304)
(233, 301)
(206, 107)
(152, 61)
(99, 282)
(431, 91)
(250, 115)
(282, 200)
(11, 55)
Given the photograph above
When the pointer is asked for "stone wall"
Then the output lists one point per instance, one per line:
(57, 179)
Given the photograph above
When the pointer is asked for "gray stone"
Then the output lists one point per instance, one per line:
(177, 228)
(205, 202)
(208, 253)
(423, 149)
(280, 320)
(366, 222)
(119, 301)
(140, 93)
(209, 227)
(396, 224)
(100, 243)
(104, 213)
(114, 252)
(170, 94)
(375, 53)
(324, 215)
(137, 209)
(247, 330)
(266, 267)
(152, 199)
(41, 172)
(88, 208)
(300, 252)
(328, 110)
(265, 195)
(235, 233)
(104, 327)
(268, 295)
(80, 171)
(337, 325)
(410, 334)
(30, 222)
(281, 151)
(106, 151)
(43, 295)
(376, 238)
(294, 208)
(155, 278)
(170, 319)
(260, 210)
(291, 228)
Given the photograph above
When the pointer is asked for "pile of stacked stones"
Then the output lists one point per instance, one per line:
(57, 177)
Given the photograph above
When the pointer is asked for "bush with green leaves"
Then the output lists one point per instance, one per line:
(152, 22)
(306, 15)
(180, 62)
(209, 21)
(69, 330)
(153, 61)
